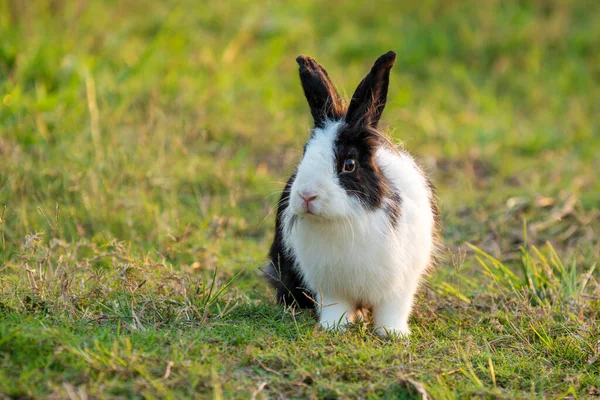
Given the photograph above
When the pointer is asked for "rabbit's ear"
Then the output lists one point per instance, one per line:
(369, 99)
(324, 101)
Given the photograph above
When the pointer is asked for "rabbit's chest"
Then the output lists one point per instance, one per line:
(357, 262)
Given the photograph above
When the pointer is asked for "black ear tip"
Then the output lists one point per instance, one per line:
(303, 60)
(387, 60)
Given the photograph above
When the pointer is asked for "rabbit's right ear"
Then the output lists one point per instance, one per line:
(324, 101)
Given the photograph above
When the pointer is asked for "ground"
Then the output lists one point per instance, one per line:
(143, 146)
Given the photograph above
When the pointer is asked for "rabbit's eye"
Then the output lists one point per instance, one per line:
(349, 165)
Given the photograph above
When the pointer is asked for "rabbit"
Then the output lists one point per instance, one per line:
(356, 224)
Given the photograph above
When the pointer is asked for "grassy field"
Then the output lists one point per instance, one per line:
(143, 146)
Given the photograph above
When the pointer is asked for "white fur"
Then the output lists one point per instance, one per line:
(349, 256)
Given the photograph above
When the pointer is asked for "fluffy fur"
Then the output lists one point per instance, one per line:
(356, 222)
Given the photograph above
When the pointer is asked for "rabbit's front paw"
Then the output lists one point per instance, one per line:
(336, 314)
(391, 317)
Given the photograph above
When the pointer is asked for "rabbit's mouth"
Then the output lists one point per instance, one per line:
(308, 208)
(309, 211)
(316, 216)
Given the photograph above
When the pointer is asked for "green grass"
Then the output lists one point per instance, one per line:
(142, 148)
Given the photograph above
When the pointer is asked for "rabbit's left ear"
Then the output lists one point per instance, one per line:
(369, 99)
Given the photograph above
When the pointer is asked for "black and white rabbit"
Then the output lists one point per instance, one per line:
(356, 223)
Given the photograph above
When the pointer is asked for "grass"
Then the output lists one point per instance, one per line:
(142, 149)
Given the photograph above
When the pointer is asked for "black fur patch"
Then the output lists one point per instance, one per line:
(282, 273)
(393, 208)
(291, 224)
(366, 182)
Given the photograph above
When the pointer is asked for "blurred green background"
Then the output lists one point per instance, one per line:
(146, 119)
(169, 127)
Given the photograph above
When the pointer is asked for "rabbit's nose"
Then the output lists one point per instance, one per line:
(307, 196)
